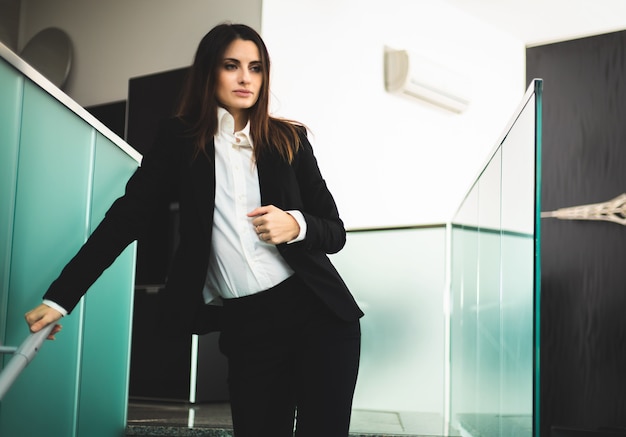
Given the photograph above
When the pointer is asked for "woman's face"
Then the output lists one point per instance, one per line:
(239, 78)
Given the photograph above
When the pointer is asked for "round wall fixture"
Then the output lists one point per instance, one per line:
(50, 53)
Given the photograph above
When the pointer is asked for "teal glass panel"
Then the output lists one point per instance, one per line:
(518, 255)
(463, 314)
(398, 278)
(494, 376)
(103, 396)
(11, 86)
(488, 293)
(517, 317)
(537, 265)
(52, 197)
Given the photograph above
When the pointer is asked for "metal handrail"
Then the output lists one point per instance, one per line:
(22, 356)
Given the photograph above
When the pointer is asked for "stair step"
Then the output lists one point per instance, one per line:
(166, 419)
(179, 431)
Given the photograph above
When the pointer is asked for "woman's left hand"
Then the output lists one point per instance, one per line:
(41, 316)
(273, 225)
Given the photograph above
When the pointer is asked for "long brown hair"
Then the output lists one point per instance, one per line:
(198, 103)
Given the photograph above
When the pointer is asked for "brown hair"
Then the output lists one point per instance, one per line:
(198, 104)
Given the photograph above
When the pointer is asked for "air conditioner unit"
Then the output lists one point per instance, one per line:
(416, 77)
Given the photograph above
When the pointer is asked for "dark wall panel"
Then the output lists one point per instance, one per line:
(112, 115)
(151, 99)
(583, 283)
(160, 367)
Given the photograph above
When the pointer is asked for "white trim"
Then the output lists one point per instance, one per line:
(193, 377)
(23, 67)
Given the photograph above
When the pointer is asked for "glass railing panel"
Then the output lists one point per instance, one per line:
(538, 96)
(517, 335)
(11, 86)
(463, 390)
(494, 328)
(50, 225)
(463, 320)
(53, 177)
(489, 302)
(518, 257)
(106, 356)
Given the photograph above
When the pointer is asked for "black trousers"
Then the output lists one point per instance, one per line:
(290, 360)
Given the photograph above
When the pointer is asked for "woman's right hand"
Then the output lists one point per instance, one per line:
(41, 316)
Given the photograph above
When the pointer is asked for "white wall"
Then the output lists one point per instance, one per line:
(547, 21)
(115, 40)
(387, 160)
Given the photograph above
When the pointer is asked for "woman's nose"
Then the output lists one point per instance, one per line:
(244, 76)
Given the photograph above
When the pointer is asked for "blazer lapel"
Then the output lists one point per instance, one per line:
(203, 181)
(269, 169)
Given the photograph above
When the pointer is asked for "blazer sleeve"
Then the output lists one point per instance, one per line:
(148, 187)
(325, 229)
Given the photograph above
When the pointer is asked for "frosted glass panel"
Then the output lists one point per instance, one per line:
(398, 278)
(108, 311)
(50, 225)
(10, 108)
(58, 175)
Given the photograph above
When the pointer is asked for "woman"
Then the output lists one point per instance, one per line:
(256, 223)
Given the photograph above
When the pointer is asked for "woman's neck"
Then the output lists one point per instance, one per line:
(241, 119)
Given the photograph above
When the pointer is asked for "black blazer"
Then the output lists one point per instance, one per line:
(169, 169)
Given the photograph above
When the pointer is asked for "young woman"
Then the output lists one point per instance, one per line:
(256, 224)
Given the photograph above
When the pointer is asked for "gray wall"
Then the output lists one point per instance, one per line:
(9, 21)
(116, 40)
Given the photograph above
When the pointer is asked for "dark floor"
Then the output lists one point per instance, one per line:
(151, 418)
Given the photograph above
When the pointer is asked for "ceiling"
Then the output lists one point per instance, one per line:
(535, 21)
(538, 22)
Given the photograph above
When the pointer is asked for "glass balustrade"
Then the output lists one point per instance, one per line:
(494, 333)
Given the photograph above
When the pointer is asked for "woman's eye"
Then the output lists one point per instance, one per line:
(256, 68)
(230, 67)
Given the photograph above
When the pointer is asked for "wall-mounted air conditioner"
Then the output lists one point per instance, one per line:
(416, 77)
